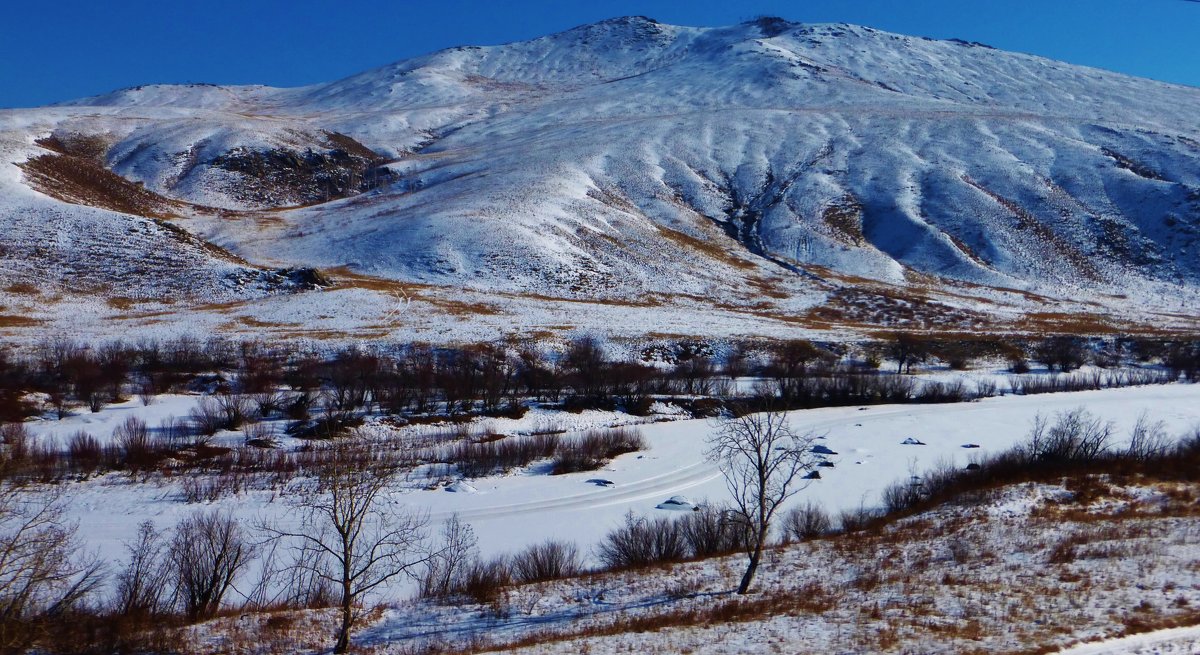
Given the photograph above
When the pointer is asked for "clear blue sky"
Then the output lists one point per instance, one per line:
(52, 50)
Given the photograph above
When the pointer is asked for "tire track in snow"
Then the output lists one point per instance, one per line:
(667, 483)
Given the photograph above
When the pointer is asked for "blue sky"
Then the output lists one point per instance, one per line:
(62, 49)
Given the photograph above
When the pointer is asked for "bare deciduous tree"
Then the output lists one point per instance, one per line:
(763, 462)
(143, 587)
(446, 570)
(1076, 436)
(43, 571)
(349, 536)
(1148, 439)
(208, 551)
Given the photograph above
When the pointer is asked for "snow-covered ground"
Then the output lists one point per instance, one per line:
(1172, 641)
(511, 511)
(1025, 569)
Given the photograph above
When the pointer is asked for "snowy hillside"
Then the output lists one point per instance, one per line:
(774, 168)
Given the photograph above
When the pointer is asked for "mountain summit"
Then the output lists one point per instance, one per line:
(785, 167)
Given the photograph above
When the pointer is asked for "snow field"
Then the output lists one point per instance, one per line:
(509, 512)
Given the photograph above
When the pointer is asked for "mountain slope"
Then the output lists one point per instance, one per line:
(765, 162)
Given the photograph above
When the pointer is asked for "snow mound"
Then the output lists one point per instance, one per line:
(677, 503)
(461, 487)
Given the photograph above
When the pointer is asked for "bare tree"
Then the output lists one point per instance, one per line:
(907, 349)
(208, 551)
(43, 571)
(350, 537)
(446, 570)
(1076, 436)
(1148, 439)
(763, 462)
(143, 587)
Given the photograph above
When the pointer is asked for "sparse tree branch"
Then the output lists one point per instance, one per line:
(763, 462)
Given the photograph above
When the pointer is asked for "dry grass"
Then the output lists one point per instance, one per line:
(1041, 233)
(121, 302)
(24, 289)
(84, 181)
(710, 248)
(10, 321)
(844, 217)
(344, 277)
(1077, 324)
(251, 322)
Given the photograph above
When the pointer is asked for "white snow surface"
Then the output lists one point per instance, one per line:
(1172, 641)
(509, 512)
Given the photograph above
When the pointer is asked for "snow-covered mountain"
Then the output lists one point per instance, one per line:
(770, 165)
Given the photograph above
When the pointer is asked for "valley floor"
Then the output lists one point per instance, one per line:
(509, 512)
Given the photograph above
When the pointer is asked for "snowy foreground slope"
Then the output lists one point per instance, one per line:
(792, 176)
(509, 512)
(1029, 568)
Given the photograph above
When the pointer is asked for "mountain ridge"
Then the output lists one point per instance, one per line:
(628, 157)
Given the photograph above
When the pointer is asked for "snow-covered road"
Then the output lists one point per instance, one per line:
(1173, 641)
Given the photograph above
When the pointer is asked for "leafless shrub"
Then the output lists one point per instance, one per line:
(269, 403)
(147, 392)
(902, 495)
(1148, 440)
(641, 542)
(143, 587)
(710, 531)
(44, 573)
(210, 488)
(45, 460)
(207, 417)
(235, 409)
(550, 560)
(985, 388)
(808, 521)
(595, 448)
(15, 441)
(942, 392)
(486, 579)
(137, 447)
(446, 571)
(208, 551)
(298, 407)
(858, 520)
(498, 455)
(261, 435)
(1076, 436)
(85, 452)
(176, 433)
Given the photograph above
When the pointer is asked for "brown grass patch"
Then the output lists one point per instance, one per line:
(1076, 323)
(84, 181)
(844, 217)
(1028, 222)
(121, 302)
(711, 249)
(142, 315)
(812, 599)
(24, 288)
(769, 287)
(8, 320)
(250, 321)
